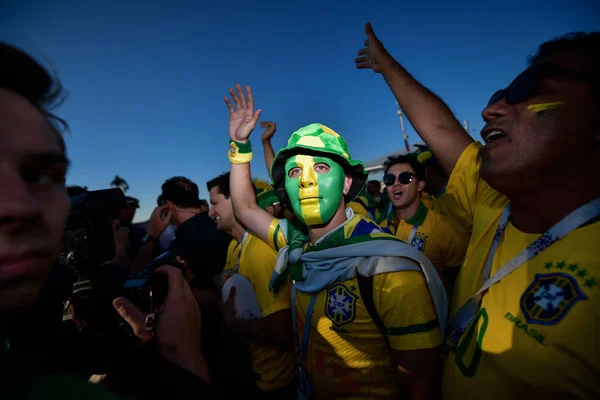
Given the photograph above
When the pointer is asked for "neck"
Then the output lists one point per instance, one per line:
(186, 213)
(238, 231)
(407, 213)
(539, 211)
(316, 232)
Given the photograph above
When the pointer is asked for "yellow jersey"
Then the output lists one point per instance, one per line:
(347, 355)
(273, 367)
(536, 333)
(434, 236)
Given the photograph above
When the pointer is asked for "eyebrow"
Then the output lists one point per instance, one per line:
(50, 158)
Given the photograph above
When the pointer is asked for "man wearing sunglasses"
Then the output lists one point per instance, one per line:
(414, 223)
(524, 320)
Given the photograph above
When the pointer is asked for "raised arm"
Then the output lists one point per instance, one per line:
(269, 130)
(428, 114)
(242, 120)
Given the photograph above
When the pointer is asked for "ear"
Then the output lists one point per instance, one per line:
(170, 205)
(420, 186)
(347, 184)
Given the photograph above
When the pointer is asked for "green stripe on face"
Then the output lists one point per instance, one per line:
(315, 187)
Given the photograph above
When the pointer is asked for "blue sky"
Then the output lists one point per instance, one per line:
(146, 80)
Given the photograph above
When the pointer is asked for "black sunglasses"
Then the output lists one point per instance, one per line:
(525, 84)
(403, 177)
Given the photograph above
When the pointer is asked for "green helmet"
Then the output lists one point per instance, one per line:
(318, 140)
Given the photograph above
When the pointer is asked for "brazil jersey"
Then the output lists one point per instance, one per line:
(347, 355)
(536, 333)
(434, 236)
(273, 367)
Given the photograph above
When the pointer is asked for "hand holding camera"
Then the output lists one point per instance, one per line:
(177, 325)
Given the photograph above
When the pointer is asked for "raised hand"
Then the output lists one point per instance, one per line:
(373, 55)
(242, 118)
(269, 130)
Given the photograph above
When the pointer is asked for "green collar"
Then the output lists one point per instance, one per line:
(419, 217)
(5, 344)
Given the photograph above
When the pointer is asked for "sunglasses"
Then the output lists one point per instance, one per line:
(403, 177)
(527, 82)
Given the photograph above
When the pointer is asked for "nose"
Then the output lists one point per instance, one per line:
(17, 201)
(211, 212)
(495, 110)
(308, 178)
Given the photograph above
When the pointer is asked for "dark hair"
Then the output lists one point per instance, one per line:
(21, 74)
(203, 202)
(181, 191)
(406, 159)
(574, 42)
(374, 182)
(222, 182)
(159, 200)
(75, 190)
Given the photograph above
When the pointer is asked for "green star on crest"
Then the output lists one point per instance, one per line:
(561, 265)
(548, 265)
(590, 282)
(582, 273)
(572, 267)
(353, 288)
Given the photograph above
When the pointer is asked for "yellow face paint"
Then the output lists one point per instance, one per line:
(537, 108)
(308, 191)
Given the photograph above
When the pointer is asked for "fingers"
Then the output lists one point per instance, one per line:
(229, 105)
(242, 98)
(132, 315)
(234, 96)
(175, 277)
(256, 116)
(363, 52)
(250, 98)
(369, 30)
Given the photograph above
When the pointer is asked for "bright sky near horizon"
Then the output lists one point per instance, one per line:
(146, 80)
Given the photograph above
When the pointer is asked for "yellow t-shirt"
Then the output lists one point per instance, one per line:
(428, 199)
(347, 355)
(536, 334)
(274, 368)
(435, 237)
(358, 208)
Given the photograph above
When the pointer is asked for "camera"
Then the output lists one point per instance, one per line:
(87, 248)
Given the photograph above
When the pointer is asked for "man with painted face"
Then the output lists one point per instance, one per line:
(413, 222)
(524, 317)
(362, 300)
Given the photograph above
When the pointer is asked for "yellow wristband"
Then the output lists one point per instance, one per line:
(239, 153)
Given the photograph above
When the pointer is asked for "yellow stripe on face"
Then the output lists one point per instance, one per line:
(536, 108)
(308, 185)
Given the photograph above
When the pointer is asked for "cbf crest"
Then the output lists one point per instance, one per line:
(418, 242)
(340, 306)
(549, 298)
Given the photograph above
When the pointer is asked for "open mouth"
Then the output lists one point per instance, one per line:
(397, 194)
(492, 136)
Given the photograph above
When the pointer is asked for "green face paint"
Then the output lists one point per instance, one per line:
(314, 195)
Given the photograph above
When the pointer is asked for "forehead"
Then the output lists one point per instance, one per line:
(24, 130)
(577, 61)
(215, 194)
(402, 167)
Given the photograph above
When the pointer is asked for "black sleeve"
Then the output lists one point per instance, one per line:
(165, 380)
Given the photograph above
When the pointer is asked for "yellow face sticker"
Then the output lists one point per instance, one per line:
(538, 108)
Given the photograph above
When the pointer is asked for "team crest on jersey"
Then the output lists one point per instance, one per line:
(550, 297)
(418, 242)
(340, 306)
